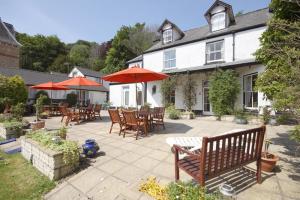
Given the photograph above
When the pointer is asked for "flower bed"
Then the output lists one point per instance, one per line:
(54, 159)
(11, 129)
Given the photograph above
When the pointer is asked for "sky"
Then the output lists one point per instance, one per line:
(99, 20)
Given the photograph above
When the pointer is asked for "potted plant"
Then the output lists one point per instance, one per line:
(63, 132)
(268, 160)
(240, 117)
(39, 124)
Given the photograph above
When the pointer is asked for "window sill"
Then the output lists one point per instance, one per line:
(214, 62)
(170, 68)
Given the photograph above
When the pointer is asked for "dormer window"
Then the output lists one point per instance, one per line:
(218, 21)
(167, 36)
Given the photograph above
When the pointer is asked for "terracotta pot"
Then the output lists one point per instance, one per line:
(268, 162)
(37, 125)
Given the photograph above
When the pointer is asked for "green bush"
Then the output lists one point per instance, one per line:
(266, 115)
(188, 191)
(223, 90)
(286, 118)
(173, 113)
(9, 87)
(18, 111)
(71, 99)
(295, 134)
(39, 105)
(47, 100)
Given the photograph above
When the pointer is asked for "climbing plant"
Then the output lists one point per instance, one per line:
(189, 92)
(223, 90)
(167, 86)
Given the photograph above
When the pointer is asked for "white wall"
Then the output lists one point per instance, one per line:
(116, 94)
(193, 55)
(97, 97)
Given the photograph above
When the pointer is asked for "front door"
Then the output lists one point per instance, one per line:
(206, 104)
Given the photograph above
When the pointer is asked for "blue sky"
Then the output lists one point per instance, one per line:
(98, 20)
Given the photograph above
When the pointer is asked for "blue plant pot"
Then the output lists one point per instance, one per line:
(90, 148)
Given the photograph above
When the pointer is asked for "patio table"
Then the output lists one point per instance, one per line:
(147, 116)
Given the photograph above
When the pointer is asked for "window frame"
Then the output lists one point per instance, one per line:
(251, 92)
(124, 90)
(169, 59)
(167, 36)
(208, 52)
(212, 24)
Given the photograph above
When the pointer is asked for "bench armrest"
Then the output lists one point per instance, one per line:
(178, 148)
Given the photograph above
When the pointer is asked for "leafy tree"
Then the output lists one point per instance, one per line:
(128, 43)
(140, 39)
(79, 54)
(38, 52)
(223, 91)
(60, 64)
(280, 53)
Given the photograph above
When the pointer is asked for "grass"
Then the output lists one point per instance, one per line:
(20, 180)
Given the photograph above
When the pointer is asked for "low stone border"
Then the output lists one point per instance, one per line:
(47, 161)
(8, 133)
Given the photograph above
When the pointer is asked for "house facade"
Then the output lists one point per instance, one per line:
(226, 42)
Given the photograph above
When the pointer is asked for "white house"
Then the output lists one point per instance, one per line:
(227, 41)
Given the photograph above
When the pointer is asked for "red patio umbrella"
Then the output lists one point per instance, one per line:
(49, 86)
(135, 75)
(78, 81)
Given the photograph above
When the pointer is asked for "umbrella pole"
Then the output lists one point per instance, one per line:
(136, 97)
(51, 97)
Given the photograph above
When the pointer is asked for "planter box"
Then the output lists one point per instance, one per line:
(47, 161)
(8, 133)
(37, 125)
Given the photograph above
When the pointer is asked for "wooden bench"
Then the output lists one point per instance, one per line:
(221, 154)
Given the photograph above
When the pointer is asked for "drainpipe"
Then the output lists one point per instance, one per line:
(145, 83)
(233, 46)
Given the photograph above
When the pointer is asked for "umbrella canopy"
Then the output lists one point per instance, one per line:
(79, 81)
(135, 75)
(49, 86)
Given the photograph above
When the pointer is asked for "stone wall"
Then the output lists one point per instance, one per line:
(7, 133)
(9, 55)
(49, 162)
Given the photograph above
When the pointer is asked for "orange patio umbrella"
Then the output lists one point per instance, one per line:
(49, 86)
(135, 75)
(79, 81)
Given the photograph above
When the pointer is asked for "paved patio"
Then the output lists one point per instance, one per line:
(123, 162)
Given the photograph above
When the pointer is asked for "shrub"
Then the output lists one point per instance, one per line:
(175, 191)
(223, 91)
(62, 132)
(9, 87)
(266, 115)
(240, 114)
(18, 111)
(173, 113)
(46, 100)
(39, 105)
(295, 134)
(167, 86)
(71, 99)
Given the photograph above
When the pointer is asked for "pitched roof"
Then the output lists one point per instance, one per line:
(31, 77)
(160, 29)
(6, 35)
(246, 21)
(89, 72)
(136, 59)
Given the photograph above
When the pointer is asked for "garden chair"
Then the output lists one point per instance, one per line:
(133, 123)
(97, 110)
(157, 118)
(221, 154)
(116, 119)
(71, 115)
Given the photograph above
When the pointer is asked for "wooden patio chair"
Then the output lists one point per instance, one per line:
(89, 112)
(157, 118)
(97, 110)
(221, 154)
(116, 119)
(133, 123)
(71, 115)
(144, 109)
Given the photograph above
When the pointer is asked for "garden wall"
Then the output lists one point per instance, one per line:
(47, 161)
(8, 133)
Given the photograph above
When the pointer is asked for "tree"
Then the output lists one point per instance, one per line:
(38, 52)
(60, 64)
(128, 43)
(140, 39)
(280, 53)
(223, 90)
(79, 54)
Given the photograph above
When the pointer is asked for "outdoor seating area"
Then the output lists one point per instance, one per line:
(126, 163)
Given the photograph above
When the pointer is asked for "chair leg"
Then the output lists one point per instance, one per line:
(120, 130)
(62, 119)
(163, 125)
(176, 166)
(137, 133)
(111, 127)
(258, 171)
